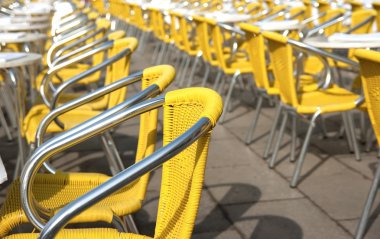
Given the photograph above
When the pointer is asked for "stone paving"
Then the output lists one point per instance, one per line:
(242, 197)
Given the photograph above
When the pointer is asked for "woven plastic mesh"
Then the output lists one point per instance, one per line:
(182, 176)
(55, 191)
(256, 52)
(370, 72)
(281, 58)
(98, 233)
(330, 14)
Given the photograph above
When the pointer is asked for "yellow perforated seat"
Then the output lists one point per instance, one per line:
(55, 191)
(330, 100)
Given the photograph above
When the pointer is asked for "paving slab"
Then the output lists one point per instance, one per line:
(293, 219)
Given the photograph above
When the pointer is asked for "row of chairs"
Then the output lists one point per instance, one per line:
(89, 56)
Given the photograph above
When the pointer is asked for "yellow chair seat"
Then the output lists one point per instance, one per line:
(62, 189)
(68, 73)
(96, 233)
(334, 99)
(239, 63)
(69, 119)
(313, 65)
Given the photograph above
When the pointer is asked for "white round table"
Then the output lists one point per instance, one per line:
(223, 17)
(323, 42)
(278, 26)
(13, 68)
(23, 27)
(13, 37)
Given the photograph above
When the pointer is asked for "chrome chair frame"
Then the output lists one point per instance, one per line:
(92, 128)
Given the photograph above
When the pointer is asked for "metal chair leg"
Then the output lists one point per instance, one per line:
(347, 132)
(217, 79)
(228, 97)
(193, 68)
(207, 73)
(360, 231)
(353, 136)
(113, 157)
(131, 224)
(278, 142)
(5, 126)
(185, 69)
(273, 131)
(256, 116)
(305, 146)
(294, 139)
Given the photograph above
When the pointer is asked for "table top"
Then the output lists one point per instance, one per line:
(23, 27)
(25, 18)
(224, 17)
(29, 58)
(324, 42)
(280, 25)
(15, 38)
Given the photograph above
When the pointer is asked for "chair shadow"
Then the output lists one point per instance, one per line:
(218, 221)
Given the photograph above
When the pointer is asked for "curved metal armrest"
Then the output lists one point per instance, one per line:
(71, 24)
(60, 43)
(231, 28)
(323, 55)
(313, 18)
(47, 79)
(62, 142)
(274, 15)
(58, 55)
(86, 73)
(339, 18)
(314, 50)
(75, 30)
(86, 99)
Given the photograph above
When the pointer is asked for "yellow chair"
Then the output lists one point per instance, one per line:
(116, 71)
(230, 64)
(370, 75)
(314, 104)
(54, 191)
(188, 112)
(355, 5)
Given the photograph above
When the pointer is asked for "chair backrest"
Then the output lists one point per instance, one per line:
(359, 16)
(157, 23)
(256, 51)
(100, 24)
(281, 56)
(185, 27)
(218, 42)
(119, 69)
(376, 7)
(175, 31)
(370, 74)
(355, 5)
(323, 6)
(331, 14)
(148, 122)
(203, 36)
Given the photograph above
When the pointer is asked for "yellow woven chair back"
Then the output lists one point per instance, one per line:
(158, 24)
(281, 56)
(99, 6)
(370, 74)
(256, 51)
(361, 15)
(179, 201)
(100, 24)
(174, 30)
(218, 42)
(203, 36)
(116, 8)
(323, 6)
(184, 28)
(355, 5)
(119, 69)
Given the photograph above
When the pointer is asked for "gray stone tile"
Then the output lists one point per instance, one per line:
(284, 219)
(338, 190)
(247, 184)
(228, 153)
(367, 166)
(372, 227)
(227, 234)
